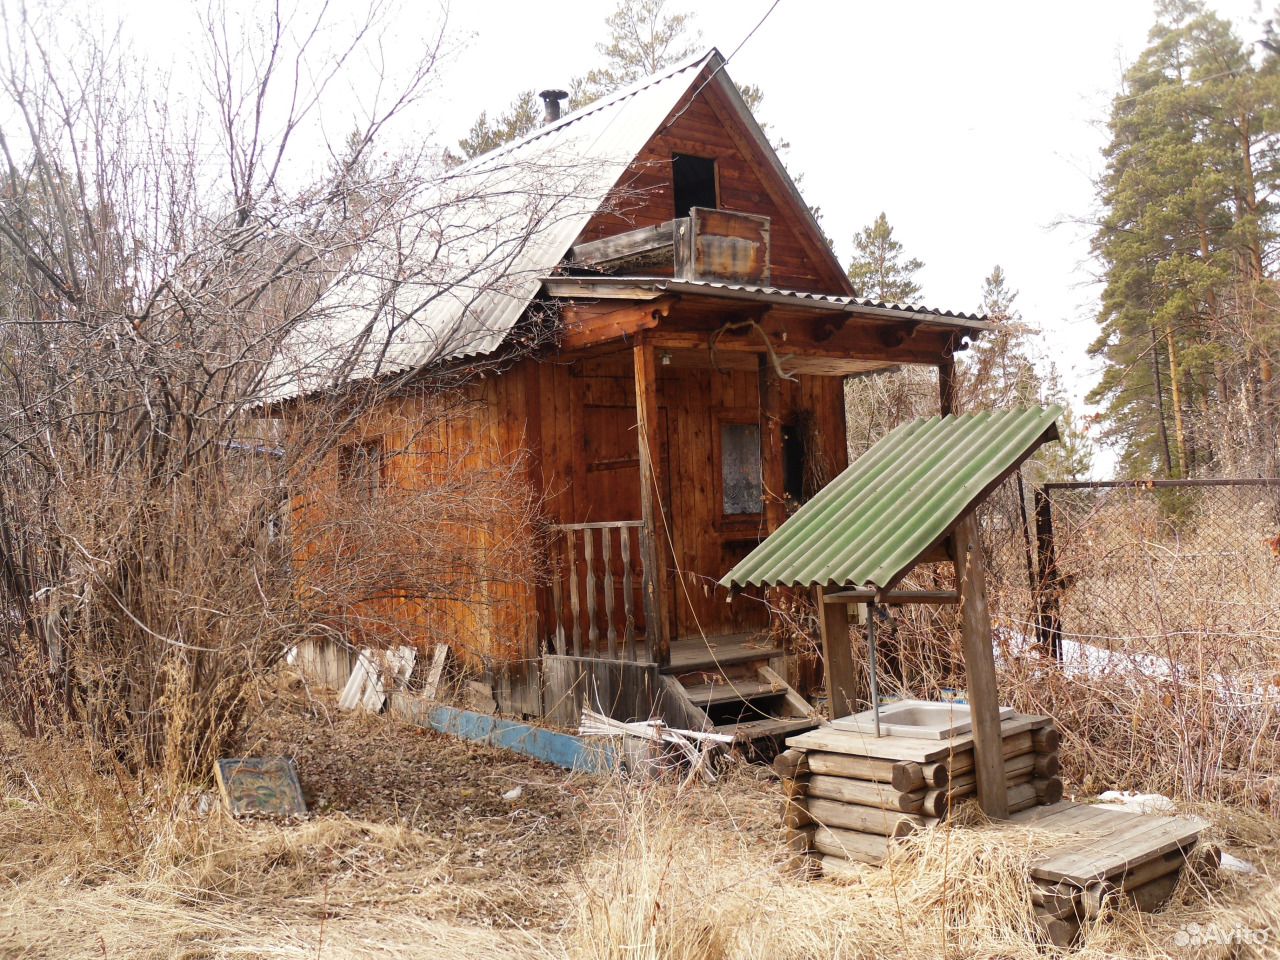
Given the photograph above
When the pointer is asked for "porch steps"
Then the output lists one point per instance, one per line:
(730, 685)
(726, 691)
(688, 656)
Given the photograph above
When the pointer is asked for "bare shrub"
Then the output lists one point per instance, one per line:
(188, 297)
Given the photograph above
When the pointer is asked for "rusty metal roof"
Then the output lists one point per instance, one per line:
(451, 276)
(869, 526)
(583, 286)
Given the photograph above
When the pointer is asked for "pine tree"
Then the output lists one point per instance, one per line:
(1182, 224)
(644, 38)
(878, 269)
(520, 118)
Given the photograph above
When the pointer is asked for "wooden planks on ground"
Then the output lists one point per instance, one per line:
(1106, 842)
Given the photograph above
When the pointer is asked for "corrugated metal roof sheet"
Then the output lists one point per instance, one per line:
(870, 524)
(451, 278)
(973, 321)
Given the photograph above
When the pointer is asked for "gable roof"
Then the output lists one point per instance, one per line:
(477, 243)
(870, 525)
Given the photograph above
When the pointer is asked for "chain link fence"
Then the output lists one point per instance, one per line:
(1160, 567)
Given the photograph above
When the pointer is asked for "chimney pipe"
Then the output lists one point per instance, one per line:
(551, 105)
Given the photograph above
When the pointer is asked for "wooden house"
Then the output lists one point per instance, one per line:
(692, 394)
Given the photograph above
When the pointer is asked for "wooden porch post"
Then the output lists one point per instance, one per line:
(837, 655)
(947, 386)
(980, 668)
(654, 540)
(771, 466)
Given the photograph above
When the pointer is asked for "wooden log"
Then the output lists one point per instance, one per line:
(1059, 931)
(1047, 765)
(962, 760)
(865, 792)
(1095, 897)
(851, 816)
(851, 845)
(1060, 909)
(1048, 789)
(935, 774)
(1046, 739)
(1017, 770)
(789, 764)
(903, 775)
(1056, 899)
(833, 866)
(1143, 873)
(1152, 895)
(937, 803)
(1021, 797)
(795, 819)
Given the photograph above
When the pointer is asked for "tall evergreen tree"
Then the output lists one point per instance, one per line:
(1183, 224)
(878, 269)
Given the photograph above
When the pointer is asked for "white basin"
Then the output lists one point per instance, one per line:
(918, 719)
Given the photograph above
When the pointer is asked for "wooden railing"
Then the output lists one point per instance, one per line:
(599, 584)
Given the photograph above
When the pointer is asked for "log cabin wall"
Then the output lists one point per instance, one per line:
(590, 465)
(485, 608)
(706, 127)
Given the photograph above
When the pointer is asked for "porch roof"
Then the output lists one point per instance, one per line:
(641, 288)
(870, 525)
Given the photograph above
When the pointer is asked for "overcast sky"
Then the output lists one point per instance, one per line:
(976, 126)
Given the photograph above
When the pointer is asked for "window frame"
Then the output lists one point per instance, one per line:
(721, 418)
(368, 487)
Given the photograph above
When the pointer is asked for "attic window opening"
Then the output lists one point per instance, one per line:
(693, 182)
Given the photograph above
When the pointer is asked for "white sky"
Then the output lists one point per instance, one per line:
(976, 125)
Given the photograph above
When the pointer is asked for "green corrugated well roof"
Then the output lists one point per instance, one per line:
(869, 526)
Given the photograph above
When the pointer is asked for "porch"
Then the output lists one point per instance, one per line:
(690, 420)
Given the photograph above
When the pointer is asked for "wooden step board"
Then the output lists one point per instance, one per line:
(769, 707)
(726, 691)
(713, 653)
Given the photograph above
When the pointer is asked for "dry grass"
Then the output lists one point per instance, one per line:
(626, 871)
(714, 893)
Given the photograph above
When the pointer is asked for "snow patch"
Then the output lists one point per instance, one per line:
(1132, 802)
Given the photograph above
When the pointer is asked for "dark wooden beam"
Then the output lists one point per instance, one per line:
(980, 671)
(771, 463)
(586, 325)
(947, 394)
(651, 509)
(837, 656)
(893, 597)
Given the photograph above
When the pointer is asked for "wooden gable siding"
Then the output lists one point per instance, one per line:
(706, 127)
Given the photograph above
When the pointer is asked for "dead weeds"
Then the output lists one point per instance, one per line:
(414, 852)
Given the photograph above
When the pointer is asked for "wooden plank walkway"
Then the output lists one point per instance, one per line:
(1102, 842)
